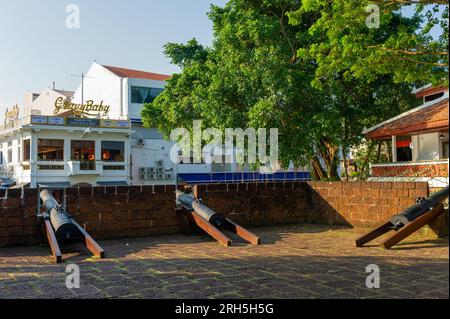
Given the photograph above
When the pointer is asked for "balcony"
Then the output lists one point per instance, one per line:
(85, 168)
(423, 169)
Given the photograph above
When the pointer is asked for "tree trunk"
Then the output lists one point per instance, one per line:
(344, 157)
(328, 153)
(317, 169)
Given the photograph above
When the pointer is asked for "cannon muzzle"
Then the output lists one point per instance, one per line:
(421, 207)
(207, 213)
(60, 220)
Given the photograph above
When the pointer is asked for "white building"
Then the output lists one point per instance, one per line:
(103, 116)
(53, 150)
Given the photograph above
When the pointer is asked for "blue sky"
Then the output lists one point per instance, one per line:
(37, 48)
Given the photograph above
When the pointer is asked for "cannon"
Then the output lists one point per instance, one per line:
(203, 211)
(210, 221)
(408, 221)
(422, 206)
(59, 218)
(60, 226)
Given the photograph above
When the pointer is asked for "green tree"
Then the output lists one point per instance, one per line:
(252, 76)
(400, 47)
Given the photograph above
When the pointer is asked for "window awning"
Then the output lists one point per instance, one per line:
(55, 184)
(119, 183)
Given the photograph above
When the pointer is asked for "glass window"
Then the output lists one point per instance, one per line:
(142, 95)
(82, 150)
(50, 150)
(26, 150)
(113, 151)
(1, 158)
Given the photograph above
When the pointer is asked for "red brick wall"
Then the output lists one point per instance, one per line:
(361, 204)
(424, 170)
(257, 204)
(112, 212)
(105, 212)
(342, 203)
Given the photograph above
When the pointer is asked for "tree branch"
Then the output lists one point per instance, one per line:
(406, 2)
(407, 52)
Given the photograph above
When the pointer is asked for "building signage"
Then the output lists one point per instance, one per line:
(75, 121)
(38, 119)
(12, 115)
(114, 124)
(88, 109)
(53, 120)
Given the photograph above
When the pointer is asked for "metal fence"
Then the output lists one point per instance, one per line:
(239, 177)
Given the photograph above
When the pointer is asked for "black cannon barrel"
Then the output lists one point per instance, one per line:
(207, 213)
(424, 205)
(61, 222)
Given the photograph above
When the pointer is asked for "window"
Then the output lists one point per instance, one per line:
(82, 150)
(142, 95)
(10, 155)
(26, 150)
(50, 150)
(404, 152)
(434, 96)
(1, 158)
(113, 151)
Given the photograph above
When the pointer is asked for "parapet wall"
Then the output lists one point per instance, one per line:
(360, 204)
(135, 211)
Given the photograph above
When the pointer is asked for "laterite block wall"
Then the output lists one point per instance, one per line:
(113, 212)
(361, 204)
(105, 212)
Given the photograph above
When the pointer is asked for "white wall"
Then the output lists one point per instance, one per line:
(426, 147)
(45, 103)
(100, 84)
(146, 156)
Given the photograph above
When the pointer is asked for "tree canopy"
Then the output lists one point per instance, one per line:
(398, 46)
(270, 67)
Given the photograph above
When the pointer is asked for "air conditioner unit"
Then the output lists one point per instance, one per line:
(161, 176)
(151, 170)
(142, 170)
(169, 176)
(160, 169)
(151, 176)
(143, 177)
(140, 142)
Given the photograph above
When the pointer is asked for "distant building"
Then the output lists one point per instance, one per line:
(420, 141)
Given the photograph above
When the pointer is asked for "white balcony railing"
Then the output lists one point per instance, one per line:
(85, 168)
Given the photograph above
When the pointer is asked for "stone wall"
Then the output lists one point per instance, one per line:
(114, 212)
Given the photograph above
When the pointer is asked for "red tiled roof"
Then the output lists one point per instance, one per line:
(430, 91)
(431, 118)
(135, 74)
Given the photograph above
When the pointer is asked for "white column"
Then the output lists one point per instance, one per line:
(394, 149)
(33, 160)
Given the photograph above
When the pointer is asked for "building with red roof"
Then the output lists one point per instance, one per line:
(420, 140)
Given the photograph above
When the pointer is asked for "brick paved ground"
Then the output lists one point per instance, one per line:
(295, 262)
